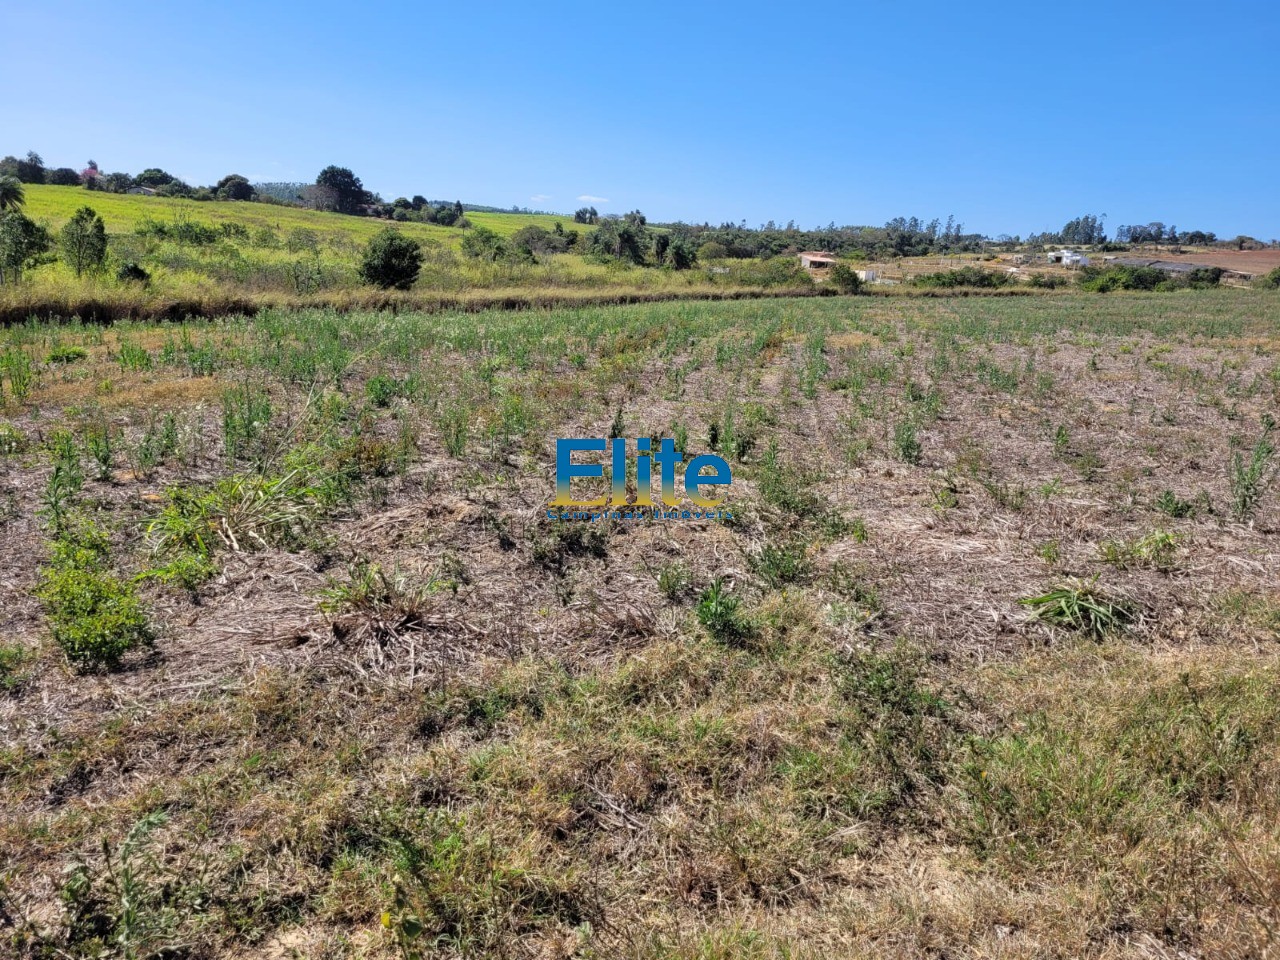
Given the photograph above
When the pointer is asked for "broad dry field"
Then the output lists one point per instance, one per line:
(292, 662)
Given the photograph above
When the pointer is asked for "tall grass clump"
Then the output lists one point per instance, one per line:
(1250, 476)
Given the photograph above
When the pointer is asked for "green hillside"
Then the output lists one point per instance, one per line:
(123, 213)
(169, 257)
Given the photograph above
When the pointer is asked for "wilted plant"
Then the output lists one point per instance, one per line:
(1082, 607)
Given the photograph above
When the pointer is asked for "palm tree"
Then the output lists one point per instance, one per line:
(11, 195)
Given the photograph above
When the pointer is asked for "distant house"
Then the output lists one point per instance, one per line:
(1069, 258)
(142, 191)
(817, 260)
(866, 276)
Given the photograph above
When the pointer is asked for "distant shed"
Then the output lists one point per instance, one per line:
(817, 260)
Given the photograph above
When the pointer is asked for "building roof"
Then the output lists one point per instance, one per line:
(818, 255)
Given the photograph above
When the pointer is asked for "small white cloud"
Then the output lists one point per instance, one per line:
(588, 198)
(540, 197)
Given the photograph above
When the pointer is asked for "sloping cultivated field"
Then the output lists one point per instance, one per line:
(292, 662)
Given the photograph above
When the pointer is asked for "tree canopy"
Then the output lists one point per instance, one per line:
(84, 241)
(346, 191)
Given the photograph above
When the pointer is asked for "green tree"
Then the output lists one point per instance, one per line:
(621, 239)
(532, 241)
(63, 177)
(680, 253)
(84, 241)
(391, 260)
(234, 187)
(22, 240)
(30, 170)
(347, 192)
(155, 177)
(12, 195)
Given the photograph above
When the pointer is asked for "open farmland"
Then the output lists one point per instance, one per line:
(292, 662)
(1257, 262)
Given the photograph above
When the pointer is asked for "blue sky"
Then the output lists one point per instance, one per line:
(1012, 117)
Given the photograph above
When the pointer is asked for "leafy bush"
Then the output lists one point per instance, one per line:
(1271, 281)
(391, 260)
(774, 272)
(1106, 279)
(483, 244)
(1202, 278)
(64, 353)
(1047, 281)
(844, 278)
(95, 616)
(181, 231)
(381, 389)
(132, 896)
(964, 277)
(131, 272)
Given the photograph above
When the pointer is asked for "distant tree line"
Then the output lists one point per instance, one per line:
(900, 237)
(629, 237)
(1156, 232)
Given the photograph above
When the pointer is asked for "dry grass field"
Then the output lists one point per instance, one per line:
(986, 663)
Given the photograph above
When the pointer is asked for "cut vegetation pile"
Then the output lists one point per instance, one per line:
(293, 664)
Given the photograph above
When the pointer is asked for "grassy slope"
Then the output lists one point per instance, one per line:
(244, 274)
(885, 759)
(123, 212)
